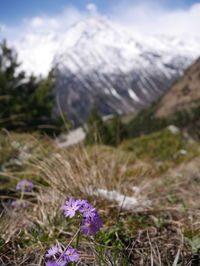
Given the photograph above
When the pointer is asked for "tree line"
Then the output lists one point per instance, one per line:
(98, 131)
(26, 102)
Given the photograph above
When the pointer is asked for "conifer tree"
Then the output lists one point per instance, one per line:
(117, 130)
(25, 102)
(96, 130)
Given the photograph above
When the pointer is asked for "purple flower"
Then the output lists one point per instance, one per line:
(88, 211)
(71, 255)
(70, 208)
(51, 263)
(81, 203)
(55, 263)
(61, 262)
(19, 203)
(53, 251)
(24, 185)
(91, 225)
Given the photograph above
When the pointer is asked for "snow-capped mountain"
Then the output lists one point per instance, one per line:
(98, 62)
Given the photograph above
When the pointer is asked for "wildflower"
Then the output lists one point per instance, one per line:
(71, 255)
(81, 203)
(91, 225)
(24, 185)
(88, 211)
(55, 263)
(61, 262)
(71, 207)
(51, 263)
(53, 251)
(19, 203)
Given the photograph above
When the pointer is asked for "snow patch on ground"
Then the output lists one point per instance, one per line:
(124, 202)
(114, 93)
(133, 95)
(73, 137)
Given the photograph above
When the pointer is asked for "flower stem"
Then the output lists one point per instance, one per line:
(21, 196)
(76, 244)
(76, 234)
(77, 239)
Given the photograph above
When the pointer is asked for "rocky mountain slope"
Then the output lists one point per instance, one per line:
(179, 106)
(101, 63)
(184, 94)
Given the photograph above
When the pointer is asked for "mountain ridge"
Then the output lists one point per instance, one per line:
(183, 95)
(98, 62)
(114, 70)
(178, 106)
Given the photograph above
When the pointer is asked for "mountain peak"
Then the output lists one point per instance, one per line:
(95, 21)
(93, 28)
(101, 63)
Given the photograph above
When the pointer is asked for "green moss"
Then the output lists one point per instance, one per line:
(145, 122)
(194, 243)
(162, 145)
(173, 200)
(190, 233)
(7, 151)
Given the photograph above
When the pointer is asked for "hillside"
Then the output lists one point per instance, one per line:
(146, 191)
(104, 64)
(180, 106)
(184, 94)
(99, 62)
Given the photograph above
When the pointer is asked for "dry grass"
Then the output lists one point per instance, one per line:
(183, 94)
(153, 236)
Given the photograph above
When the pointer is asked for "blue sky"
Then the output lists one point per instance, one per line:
(21, 17)
(14, 11)
(34, 28)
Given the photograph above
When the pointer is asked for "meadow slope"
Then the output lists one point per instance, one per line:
(146, 191)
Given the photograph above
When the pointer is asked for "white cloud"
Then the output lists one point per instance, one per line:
(38, 38)
(92, 8)
(45, 24)
(146, 16)
(2, 28)
(151, 17)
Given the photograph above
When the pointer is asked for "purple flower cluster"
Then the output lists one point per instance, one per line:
(24, 186)
(91, 225)
(60, 257)
(91, 222)
(19, 203)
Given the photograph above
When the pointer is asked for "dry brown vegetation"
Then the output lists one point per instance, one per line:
(183, 94)
(164, 232)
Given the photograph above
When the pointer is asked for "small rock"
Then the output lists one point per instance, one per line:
(183, 152)
(173, 129)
